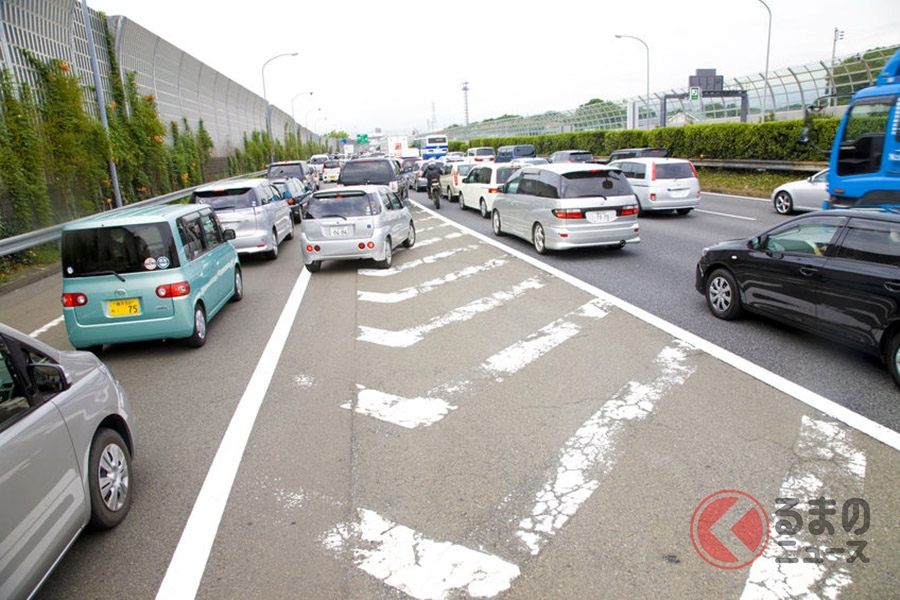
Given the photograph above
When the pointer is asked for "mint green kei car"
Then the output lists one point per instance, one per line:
(147, 273)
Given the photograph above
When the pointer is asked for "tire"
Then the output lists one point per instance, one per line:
(482, 206)
(410, 240)
(683, 211)
(538, 238)
(892, 357)
(462, 202)
(722, 295)
(238, 294)
(198, 338)
(783, 203)
(109, 479)
(314, 267)
(495, 224)
(388, 255)
(273, 253)
(449, 194)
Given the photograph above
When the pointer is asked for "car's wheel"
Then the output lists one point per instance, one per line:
(482, 206)
(198, 338)
(783, 203)
(388, 255)
(449, 194)
(683, 211)
(314, 267)
(893, 357)
(273, 253)
(722, 294)
(495, 222)
(410, 240)
(462, 202)
(238, 285)
(537, 237)
(109, 479)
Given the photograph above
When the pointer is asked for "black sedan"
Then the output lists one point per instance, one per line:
(833, 273)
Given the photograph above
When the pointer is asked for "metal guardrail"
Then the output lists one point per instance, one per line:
(762, 165)
(25, 241)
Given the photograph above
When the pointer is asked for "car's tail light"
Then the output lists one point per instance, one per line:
(72, 300)
(568, 213)
(174, 290)
(627, 211)
(652, 171)
(694, 170)
(652, 197)
(311, 248)
(493, 190)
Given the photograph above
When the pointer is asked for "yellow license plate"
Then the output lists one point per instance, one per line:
(124, 308)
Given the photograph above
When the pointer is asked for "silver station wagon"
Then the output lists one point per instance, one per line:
(567, 205)
(355, 222)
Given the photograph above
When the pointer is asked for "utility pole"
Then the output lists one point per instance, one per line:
(465, 89)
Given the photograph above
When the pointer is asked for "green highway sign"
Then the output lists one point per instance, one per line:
(362, 138)
(695, 93)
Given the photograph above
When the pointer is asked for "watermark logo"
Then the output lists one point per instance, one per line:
(730, 529)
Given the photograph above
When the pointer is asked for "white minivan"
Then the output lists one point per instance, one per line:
(662, 183)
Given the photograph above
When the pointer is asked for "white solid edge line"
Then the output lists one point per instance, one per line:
(863, 424)
(185, 571)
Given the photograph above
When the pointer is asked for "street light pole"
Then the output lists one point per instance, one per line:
(646, 47)
(768, 46)
(293, 118)
(266, 98)
(307, 116)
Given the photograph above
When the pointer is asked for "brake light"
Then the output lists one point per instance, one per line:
(627, 211)
(568, 213)
(174, 290)
(694, 170)
(653, 172)
(456, 178)
(652, 197)
(493, 190)
(73, 300)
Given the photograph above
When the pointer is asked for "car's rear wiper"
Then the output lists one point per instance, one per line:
(333, 216)
(102, 273)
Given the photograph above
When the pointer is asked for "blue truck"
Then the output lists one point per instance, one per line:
(864, 167)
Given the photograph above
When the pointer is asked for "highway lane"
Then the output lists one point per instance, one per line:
(658, 276)
(529, 373)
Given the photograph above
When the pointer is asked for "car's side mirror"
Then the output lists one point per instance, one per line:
(501, 188)
(229, 234)
(48, 379)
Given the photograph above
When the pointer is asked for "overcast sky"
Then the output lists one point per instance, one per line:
(399, 65)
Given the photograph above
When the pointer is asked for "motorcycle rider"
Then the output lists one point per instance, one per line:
(431, 173)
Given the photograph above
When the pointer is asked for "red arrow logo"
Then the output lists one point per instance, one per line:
(729, 529)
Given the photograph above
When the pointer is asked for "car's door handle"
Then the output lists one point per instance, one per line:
(808, 271)
(892, 286)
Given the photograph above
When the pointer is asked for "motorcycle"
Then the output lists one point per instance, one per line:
(434, 192)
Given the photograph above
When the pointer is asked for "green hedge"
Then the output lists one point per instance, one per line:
(777, 140)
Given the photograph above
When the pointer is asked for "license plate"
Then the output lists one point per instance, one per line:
(124, 308)
(601, 216)
(340, 231)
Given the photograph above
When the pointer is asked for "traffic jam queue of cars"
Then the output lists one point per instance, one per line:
(162, 272)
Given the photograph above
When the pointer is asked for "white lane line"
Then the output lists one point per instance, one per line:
(719, 214)
(48, 326)
(415, 263)
(182, 579)
(418, 566)
(591, 451)
(405, 338)
(431, 285)
(816, 401)
(825, 457)
(427, 410)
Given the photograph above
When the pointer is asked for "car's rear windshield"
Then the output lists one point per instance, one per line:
(352, 204)
(317, 160)
(364, 172)
(581, 157)
(125, 249)
(231, 199)
(294, 170)
(484, 152)
(583, 184)
(673, 170)
(332, 164)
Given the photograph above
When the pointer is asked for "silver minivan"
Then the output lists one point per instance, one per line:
(568, 205)
(662, 183)
(254, 209)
